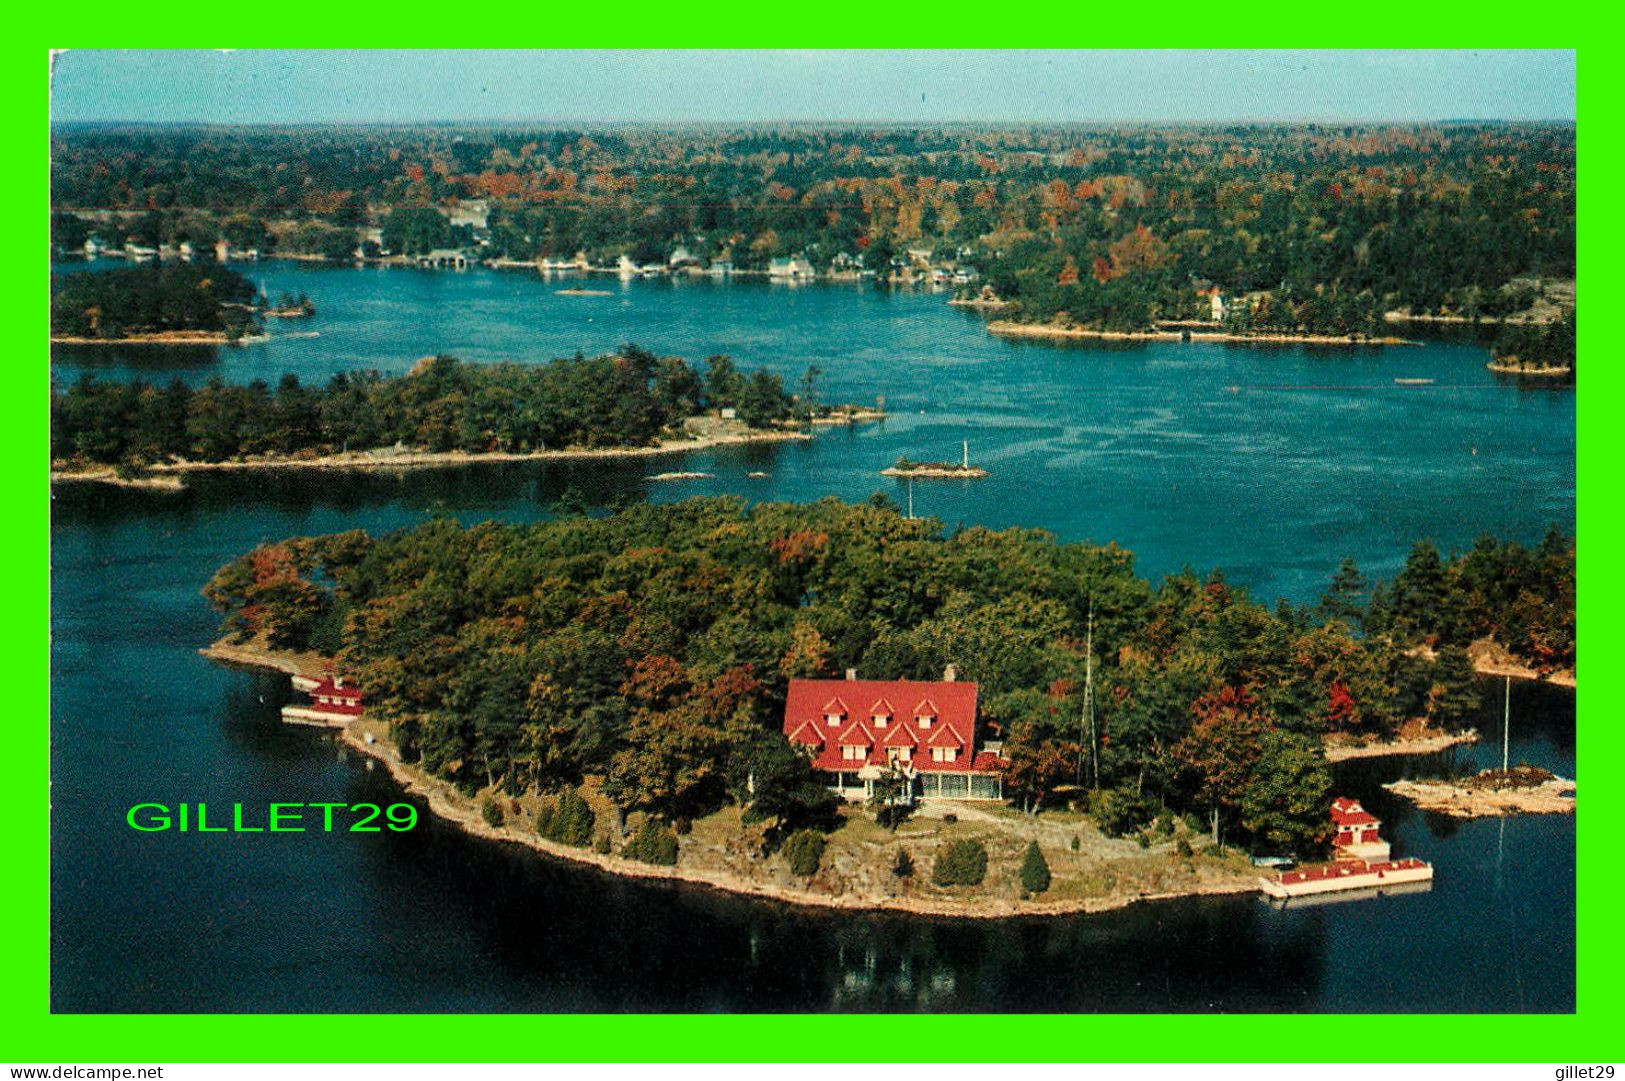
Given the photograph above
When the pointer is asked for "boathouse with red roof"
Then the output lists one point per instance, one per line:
(1358, 833)
(856, 730)
(333, 701)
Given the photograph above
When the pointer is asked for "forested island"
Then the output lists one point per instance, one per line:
(616, 684)
(1318, 230)
(1543, 350)
(632, 399)
(155, 303)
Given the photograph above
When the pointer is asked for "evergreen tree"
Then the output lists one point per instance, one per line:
(1035, 877)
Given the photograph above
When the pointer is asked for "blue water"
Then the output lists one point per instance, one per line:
(1272, 463)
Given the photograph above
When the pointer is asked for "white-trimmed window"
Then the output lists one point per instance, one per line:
(944, 754)
(882, 719)
(925, 720)
(832, 718)
(851, 751)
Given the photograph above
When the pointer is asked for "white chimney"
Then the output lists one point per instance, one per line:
(851, 673)
(950, 673)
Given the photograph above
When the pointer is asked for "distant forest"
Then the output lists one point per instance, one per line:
(1319, 227)
(653, 649)
(626, 399)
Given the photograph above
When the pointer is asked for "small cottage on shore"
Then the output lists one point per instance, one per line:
(856, 731)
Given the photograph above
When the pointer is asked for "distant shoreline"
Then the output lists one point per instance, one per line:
(166, 337)
(389, 458)
(1006, 328)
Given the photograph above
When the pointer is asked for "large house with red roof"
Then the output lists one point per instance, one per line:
(856, 730)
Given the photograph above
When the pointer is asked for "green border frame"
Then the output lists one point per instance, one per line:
(29, 1032)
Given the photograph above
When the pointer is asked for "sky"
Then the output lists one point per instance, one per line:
(753, 86)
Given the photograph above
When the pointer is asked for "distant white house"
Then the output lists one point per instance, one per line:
(795, 268)
(681, 257)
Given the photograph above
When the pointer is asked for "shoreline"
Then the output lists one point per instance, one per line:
(1009, 329)
(167, 337)
(954, 473)
(1396, 747)
(463, 812)
(1462, 801)
(1543, 372)
(388, 459)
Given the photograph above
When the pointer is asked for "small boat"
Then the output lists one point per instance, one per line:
(1408, 382)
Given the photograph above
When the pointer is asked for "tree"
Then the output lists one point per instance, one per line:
(570, 821)
(889, 799)
(653, 843)
(1035, 877)
(724, 383)
(1222, 749)
(1285, 802)
(763, 400)
(1453, 698)
(960, 863)
(803, 851)
(1345, 599)
(903, 865)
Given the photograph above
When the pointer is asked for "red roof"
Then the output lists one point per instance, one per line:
(330, 688)
(1348, 812)
(807, 733)
(856, 734)
(901, 735)
(881, 708)
(952, 704)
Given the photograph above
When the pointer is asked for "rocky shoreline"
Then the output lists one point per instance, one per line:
(1475, 800)
(1010, 329)
(463, 812)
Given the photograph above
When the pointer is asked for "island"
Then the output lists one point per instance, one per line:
(154, 304)
(832, 704)
(903, 467)
(1520, 789)
(443, 412)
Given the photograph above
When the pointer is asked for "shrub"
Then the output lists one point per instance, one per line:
(602, 845)
(1120, 811)
(1183, 847)
(903, 865)
(950, 818)
(1077, 842)
(1034, 870)
(491, 811)
(804, 850)
(653, 843)
(1144, 838)
(962, 863)
(569, 821)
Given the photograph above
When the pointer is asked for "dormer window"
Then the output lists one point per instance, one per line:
(852, 753)
(833, 718)
(944, 754)
(882, 719)
(925, 720)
